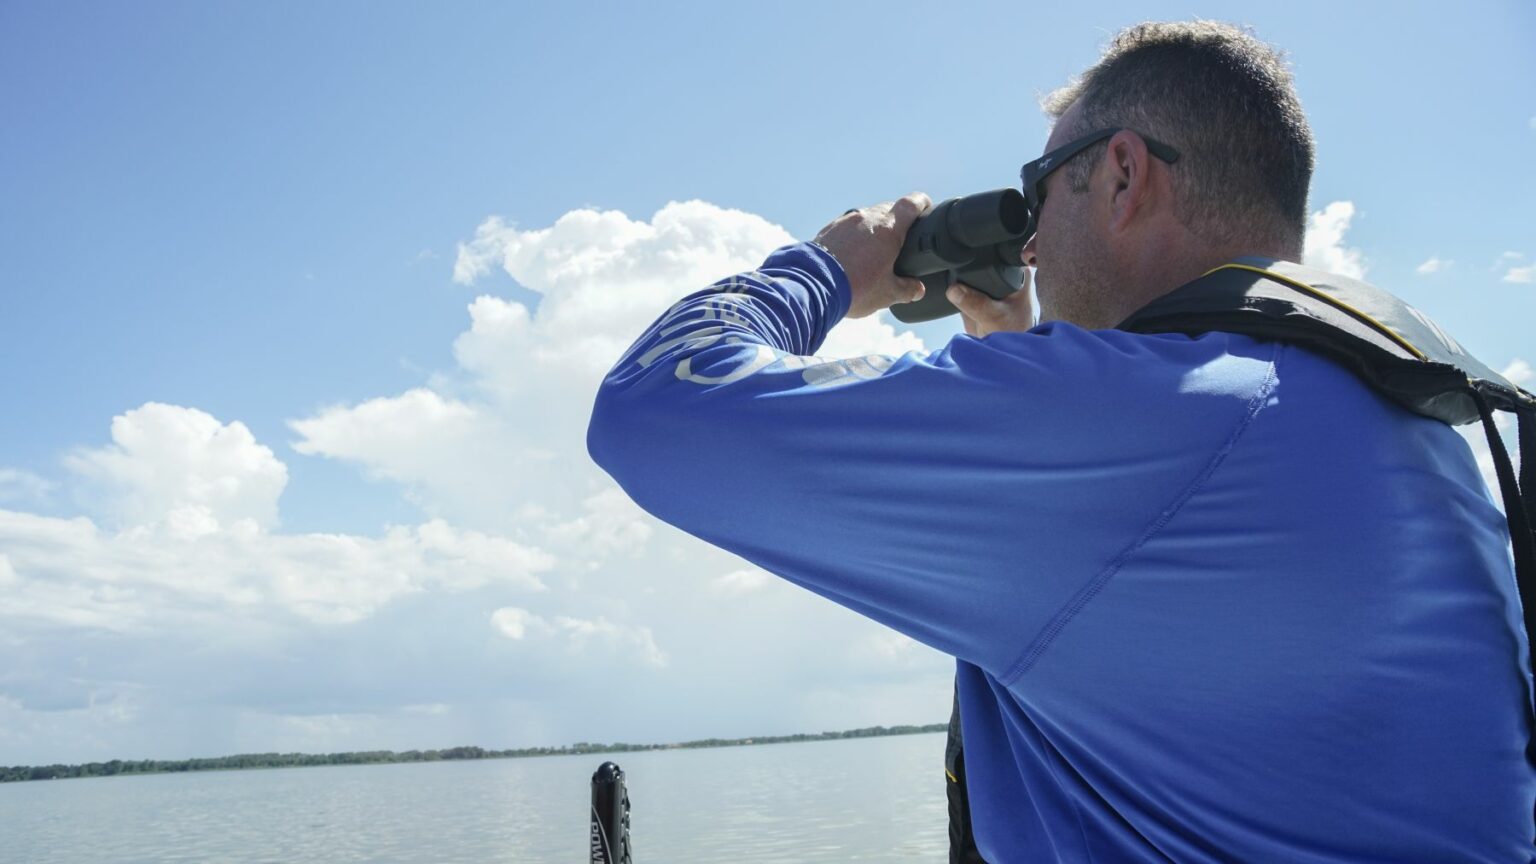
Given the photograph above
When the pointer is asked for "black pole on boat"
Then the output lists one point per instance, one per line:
(610, 816)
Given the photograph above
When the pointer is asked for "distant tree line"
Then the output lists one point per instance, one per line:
(295, 760)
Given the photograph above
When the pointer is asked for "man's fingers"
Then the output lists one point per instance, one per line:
(968, 300)
(915, 288)
(909, 207)
(984, 315)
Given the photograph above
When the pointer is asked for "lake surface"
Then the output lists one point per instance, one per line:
(864, 799)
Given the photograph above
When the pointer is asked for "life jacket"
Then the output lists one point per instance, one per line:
(1393, 348)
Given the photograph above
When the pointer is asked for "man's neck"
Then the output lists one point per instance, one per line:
(1158, 274)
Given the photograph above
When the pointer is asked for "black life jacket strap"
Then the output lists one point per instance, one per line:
(1527, 438)
(962, 841)
(1516, 511)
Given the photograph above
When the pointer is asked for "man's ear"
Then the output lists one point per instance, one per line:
(1130, 188)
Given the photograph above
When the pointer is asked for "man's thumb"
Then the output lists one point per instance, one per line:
(964, 298)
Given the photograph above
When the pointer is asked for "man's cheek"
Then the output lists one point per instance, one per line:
(1044, 294)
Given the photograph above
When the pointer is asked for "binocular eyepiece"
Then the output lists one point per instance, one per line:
(975, 239)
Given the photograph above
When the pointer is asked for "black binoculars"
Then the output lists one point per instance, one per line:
(975, 239)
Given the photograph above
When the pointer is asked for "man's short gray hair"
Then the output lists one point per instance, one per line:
(1227, 103)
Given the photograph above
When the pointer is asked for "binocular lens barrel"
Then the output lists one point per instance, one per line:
(989, 218)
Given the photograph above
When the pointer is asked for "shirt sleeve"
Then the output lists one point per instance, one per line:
(964, 497)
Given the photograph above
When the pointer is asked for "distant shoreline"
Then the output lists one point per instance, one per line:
(247, 761)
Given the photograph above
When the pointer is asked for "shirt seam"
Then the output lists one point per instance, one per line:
(1064, 616)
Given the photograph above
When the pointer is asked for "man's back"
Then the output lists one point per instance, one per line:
(1212, 598)
(1310, 655)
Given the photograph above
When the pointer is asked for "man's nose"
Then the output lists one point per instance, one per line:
(1027, 254)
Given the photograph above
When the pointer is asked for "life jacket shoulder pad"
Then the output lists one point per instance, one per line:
(1394, 348)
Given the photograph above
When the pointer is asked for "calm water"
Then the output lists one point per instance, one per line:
(872, 799)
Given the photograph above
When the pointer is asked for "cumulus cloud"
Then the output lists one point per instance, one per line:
(180, 466)
(188, 606)
(598, 279)
(454, 459)
(512, 621)
(603, 277)
(609, 524)
(371, 432)
(515, 623)
(529, 580)
(889, 651)
(1433, 265)
(17, 485)
(1324, 246)
(500, 441)
(70, 572)
(191, 500)
(744, 581)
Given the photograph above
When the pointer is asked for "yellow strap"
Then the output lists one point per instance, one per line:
(952, 778)
(1330, 300)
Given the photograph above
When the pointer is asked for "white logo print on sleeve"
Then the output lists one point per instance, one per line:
(727, 308)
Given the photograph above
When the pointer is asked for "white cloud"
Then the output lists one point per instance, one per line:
(512, 621)
(17, 485)
(600, 278)
(372, 432)
(1506, 259)
(193, 500)
(1324, 246)
(1433, 265)
(169, 464)
(455, 459)
(604, 278)
(151, 580)
(185, 587)
(501, 442)
(1522, 275)
(887, 650)
(744, 581)
(579, 633)
(610, 524)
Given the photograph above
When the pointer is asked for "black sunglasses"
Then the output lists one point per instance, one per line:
(1033, 174)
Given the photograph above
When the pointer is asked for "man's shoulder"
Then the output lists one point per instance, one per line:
(1137, 366)
(1203, 364)
(1170, 348)
(1161, 403)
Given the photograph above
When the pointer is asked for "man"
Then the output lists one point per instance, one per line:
(1212, 598)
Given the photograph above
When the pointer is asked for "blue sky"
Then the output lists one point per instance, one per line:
(239, 364)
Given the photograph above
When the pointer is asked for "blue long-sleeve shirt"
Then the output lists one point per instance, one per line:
(1211, 598)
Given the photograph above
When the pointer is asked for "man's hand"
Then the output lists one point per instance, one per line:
(866, 242)
(983, 315)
